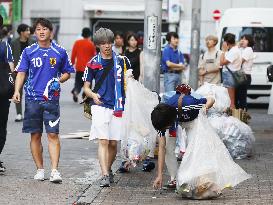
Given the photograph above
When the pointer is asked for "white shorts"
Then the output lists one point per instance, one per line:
(104, 124)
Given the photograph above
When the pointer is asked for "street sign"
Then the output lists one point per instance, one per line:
(173, 11)
(216, 15)
(152, 32)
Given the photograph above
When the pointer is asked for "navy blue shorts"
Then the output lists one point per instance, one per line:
(39, 112)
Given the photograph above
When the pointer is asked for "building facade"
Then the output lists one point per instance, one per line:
(70, 16)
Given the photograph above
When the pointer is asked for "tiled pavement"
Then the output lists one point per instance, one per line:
(135, 188)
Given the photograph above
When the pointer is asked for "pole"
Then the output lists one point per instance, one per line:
(152, 44)
(195, 42)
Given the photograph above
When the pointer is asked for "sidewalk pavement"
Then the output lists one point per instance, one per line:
(135, 188)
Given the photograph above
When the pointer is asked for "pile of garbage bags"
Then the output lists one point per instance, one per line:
(207, 167)
(236, 135)
(139, 139)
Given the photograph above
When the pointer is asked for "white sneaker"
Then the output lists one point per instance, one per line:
(19, 118)
(55, 176)
(40, 175)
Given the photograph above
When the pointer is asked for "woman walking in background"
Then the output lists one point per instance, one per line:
(246, 44)
(133, 54)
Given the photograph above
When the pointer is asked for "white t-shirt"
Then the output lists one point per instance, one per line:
(235, 59)
(248, 56)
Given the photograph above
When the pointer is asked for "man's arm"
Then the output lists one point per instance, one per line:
(175, 66)
(88, 92)
(161, 160)
(209, 103)
(64, 77)
(18, 85)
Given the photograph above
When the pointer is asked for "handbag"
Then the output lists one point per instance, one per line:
(6, 81)
(88, 101)
(239, 77)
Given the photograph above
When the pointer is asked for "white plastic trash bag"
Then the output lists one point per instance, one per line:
(235, 134)
(207, 167)
(219, 93)
(140, 136)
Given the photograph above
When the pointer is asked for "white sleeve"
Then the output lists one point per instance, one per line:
(231, 56)
(247, 53)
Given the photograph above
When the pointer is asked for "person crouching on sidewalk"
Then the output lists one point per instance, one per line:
(181, 107)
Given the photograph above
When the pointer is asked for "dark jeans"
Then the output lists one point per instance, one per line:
(4, 113)
(241, 94)
(78, 83)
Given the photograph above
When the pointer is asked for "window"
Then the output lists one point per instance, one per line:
(263, 36)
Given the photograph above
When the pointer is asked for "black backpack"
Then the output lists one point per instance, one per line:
(270, 73)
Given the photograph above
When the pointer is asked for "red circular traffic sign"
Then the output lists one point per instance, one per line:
(216, 15)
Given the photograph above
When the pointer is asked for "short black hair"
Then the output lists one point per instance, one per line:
(249, 38)
(131, 35)
(44, 22)
(86, 32)
(118, 33)
(22, 28)
(170, 35)
(229, 38)
(163, 116)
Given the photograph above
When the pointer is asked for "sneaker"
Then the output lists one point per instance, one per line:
(2, 168)
(19, 118)
(75, 97)
(105, 181)
(124, 167)
(55, 176)
(111, 177)
(170, 185)
(40, 175)
(148, 165)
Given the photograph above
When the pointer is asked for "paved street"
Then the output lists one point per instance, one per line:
(80, 169)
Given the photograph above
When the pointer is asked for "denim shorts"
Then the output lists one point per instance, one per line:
(38, 113)
(228, 80)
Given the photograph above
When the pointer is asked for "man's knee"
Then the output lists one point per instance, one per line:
(36, 137)
(53, 138)
(103, 142)
(113, 143)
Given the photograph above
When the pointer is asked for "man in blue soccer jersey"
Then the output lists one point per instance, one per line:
(182, 107)
(107, 100)
(45, 65)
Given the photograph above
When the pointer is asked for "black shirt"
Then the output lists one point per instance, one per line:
(134, 60)
(23, 45)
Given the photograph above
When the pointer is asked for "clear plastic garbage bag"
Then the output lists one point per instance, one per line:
(139, 139)
(235, 134)
(207, 167)
(219, 93)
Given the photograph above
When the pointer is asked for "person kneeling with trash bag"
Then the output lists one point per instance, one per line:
(207, 167)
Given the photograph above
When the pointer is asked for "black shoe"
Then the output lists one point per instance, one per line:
(75, 97)
(148, 165)
(123, 167)
(105, 182)
(111, 177)
(2, 168)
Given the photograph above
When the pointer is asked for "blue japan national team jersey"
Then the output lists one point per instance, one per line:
(42, 65)
(190, 106)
